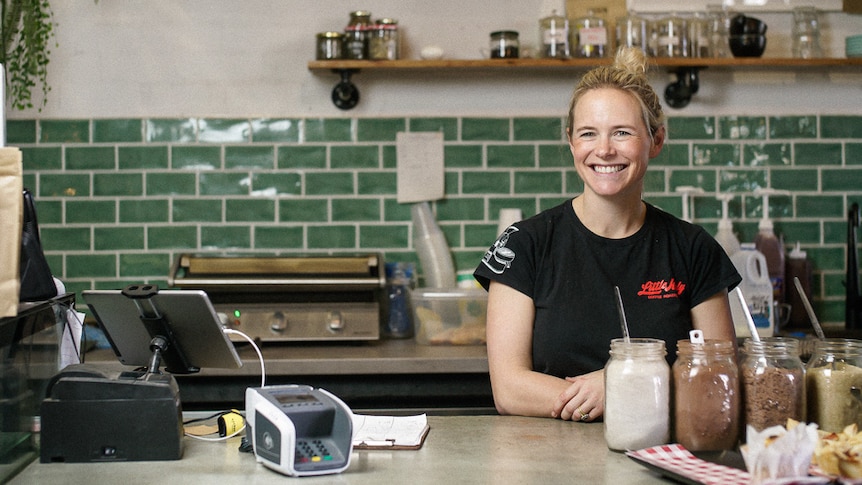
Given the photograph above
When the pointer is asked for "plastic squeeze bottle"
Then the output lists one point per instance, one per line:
(772, 248)
(798, 266)
(725, 236)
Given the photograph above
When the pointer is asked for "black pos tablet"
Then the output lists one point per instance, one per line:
(89, 415)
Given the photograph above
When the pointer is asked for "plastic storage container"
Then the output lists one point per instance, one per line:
(834, 384)
(637, 394)
(773, 382)
(707, 396)
(757, 290)
(449, 316)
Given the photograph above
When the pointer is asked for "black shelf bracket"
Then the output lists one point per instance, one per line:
(678, 94)
(345, 94)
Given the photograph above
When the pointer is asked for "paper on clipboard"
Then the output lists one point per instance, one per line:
(389, 432)
(420, 170)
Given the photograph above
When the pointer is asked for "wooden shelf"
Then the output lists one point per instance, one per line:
(730, 62)
(345, 95)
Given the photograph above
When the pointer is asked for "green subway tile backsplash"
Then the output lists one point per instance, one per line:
(120, 198)
(112, 131)
(449, 126)
(841, 126)
(275, 130)
(90, 158)
(64, 131)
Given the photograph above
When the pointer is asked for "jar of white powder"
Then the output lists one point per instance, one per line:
(637, 394)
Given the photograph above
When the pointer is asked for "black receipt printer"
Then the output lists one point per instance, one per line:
(93, 416)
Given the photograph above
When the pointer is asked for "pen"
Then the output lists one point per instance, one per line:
(389, 442)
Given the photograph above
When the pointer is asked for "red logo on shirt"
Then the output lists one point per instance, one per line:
(662, 289)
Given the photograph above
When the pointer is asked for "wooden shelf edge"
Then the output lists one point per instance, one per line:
(731, 62)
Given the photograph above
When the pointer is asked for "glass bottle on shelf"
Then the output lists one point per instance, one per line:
(590, 35)
(554, 36)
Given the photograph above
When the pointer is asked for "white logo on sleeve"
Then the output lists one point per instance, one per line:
(499, 257)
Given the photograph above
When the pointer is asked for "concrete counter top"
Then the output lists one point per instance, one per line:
(458, 449)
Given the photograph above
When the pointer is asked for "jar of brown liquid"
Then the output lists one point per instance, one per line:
(834, 384)
(773, 382)
(707, 395)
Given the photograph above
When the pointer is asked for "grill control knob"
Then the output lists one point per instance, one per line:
(336, 321)
(278, 322)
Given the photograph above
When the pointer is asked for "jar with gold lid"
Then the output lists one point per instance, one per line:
(384, 42)
(356, 35)
(330, 45)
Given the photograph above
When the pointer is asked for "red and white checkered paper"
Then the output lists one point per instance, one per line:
(676, 459)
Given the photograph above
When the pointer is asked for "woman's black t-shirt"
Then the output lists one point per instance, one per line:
(664, 270)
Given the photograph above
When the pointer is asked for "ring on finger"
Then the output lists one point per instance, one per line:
(584, 416)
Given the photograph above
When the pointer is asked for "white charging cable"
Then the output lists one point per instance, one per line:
(231, 331)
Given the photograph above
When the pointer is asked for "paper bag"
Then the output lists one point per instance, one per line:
(11, 201)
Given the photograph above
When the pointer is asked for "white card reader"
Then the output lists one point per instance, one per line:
(298, 430)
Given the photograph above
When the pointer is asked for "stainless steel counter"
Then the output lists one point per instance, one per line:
(458, 449)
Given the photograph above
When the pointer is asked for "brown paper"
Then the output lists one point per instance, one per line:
(853, 6)
(11, 202)
(615, 9)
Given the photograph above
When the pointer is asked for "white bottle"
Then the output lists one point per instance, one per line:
(772, 248)
(756, 288)
(725, 236)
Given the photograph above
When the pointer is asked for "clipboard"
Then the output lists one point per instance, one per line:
(389, 432)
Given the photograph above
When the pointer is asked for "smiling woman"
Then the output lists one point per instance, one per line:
(552, 311)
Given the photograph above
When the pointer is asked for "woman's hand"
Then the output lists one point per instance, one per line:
(583, 400)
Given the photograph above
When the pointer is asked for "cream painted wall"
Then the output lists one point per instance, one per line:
(175, 58)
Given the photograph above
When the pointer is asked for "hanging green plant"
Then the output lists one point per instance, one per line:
(26, 32)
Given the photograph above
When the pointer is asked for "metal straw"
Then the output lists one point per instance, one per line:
(751, 328)
(814, 322)
(623, 322)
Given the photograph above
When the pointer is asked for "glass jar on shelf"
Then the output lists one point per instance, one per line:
(590, 34)
(384, 42)
(671, 37)
(698, 36)
(806, 33)
(330, 45)
(504, 44)
(718, 20)
(554, 36)
(356, 35)
(632, 31)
